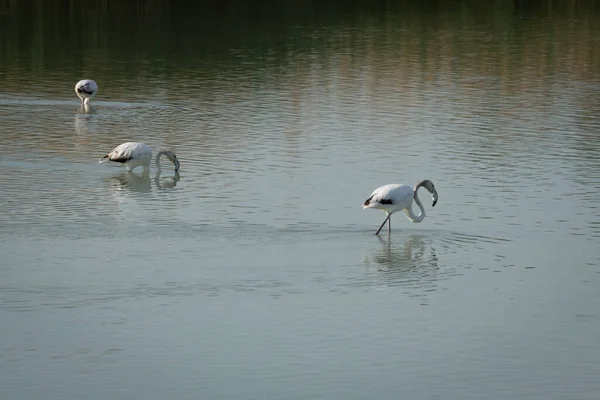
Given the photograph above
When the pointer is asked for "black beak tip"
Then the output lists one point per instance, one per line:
(434, 203)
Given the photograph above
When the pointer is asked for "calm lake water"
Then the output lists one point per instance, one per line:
(256, 274)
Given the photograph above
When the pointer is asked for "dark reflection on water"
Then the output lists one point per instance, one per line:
(464, 41)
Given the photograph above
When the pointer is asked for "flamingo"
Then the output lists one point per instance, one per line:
(394, 197)
(86, 90)
(133, 154)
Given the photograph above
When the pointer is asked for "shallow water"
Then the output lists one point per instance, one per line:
(255, 272)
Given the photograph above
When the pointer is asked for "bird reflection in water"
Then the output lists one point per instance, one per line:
(168, 182)
(85, 109)
(85, 122)
(412, 264)
(141, 183)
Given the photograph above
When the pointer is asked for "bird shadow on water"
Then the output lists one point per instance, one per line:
(409, 263)
(141, 182)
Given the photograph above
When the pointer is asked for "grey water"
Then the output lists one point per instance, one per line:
(255, 273)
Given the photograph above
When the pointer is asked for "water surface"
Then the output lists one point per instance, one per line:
(255, 272)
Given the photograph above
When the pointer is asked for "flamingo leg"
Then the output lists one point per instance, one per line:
(384, 221)
(390, 225)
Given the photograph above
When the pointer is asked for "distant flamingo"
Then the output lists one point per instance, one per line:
(133, 154)
(86, 90)
(393, 197)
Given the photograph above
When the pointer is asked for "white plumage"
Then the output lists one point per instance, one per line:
(86, 90)
(394, 197)
(134, 154)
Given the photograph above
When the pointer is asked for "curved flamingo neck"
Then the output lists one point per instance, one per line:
(160, 153)
(409, 211)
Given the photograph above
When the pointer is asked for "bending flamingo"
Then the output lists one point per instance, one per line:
(86, 90)
(133, 154)
(393, 197)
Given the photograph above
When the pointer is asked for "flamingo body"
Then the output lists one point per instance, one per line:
(391, 198)
(86, 90)
(395, 197)
(134, 154)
